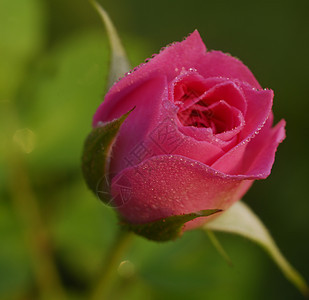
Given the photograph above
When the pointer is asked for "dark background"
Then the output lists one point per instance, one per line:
(53, 68)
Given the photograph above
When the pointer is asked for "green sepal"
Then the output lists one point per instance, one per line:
(166, 229)
(240, 219)
(119, 63)
(96, 157)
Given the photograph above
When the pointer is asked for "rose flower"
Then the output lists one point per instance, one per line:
(200, 134)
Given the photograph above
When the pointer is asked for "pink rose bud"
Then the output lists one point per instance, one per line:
(200, 134)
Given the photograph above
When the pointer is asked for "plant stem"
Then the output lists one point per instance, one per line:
(34, 229)
(103, 286)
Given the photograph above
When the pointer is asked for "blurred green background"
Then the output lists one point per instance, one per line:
(53, 69)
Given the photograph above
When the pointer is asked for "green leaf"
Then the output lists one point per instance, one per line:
(166, 229)
(240, 219)
(119, 63)
(95, 159)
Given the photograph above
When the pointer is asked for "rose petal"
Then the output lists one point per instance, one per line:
(260, 153)
(226, 139)
(137, 93)
(255, 157)
(150, 130)
(259, 103)
(188, 83)
(178, 141)
(258, 112)
(146, 97)
(227, 90)
(169, 62)
(216, 63)
(211, 89)
(225, 117)
(188, 54)
(171, 185)
(166, 137)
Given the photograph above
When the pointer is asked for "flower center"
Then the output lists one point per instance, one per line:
(195, 110)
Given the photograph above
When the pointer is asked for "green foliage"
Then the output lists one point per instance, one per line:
(15, 270)
(21, 30)
(60, 96)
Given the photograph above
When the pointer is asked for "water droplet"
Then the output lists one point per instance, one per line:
(25, 139)
(126, 269)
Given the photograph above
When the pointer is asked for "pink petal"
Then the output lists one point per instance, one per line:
(216, 64)
(133, 139)
(150, 129)
(211, 90)
(185, 55)
(242, 189)
(255, 157)
(141, 92)
(259, 104)
(258, 112)
(168, 63)
(226, 139)
(225, 117)
(171, 185)
(227, 90)
(189, 84)
(260, 153)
